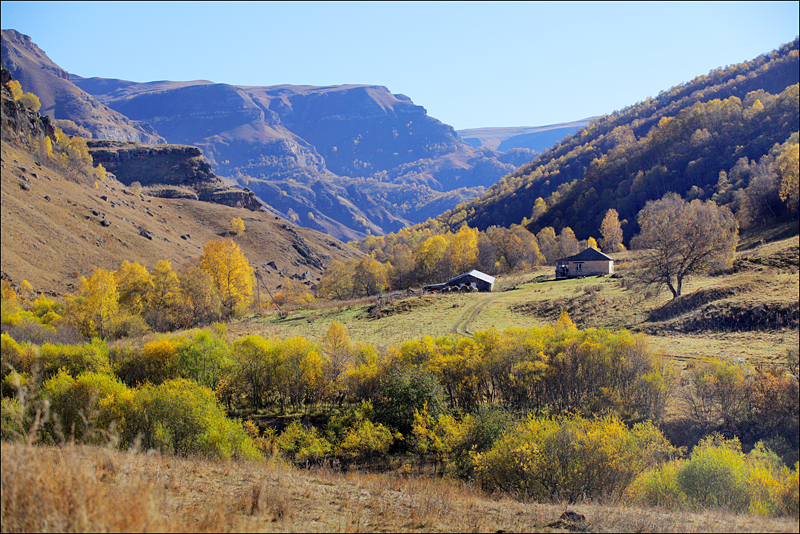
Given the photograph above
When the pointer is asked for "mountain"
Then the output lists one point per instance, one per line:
(720, 137)
(534, 138)
(61, 99)
(346, 159)
(59, 224)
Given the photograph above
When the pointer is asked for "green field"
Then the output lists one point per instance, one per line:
(716, 316)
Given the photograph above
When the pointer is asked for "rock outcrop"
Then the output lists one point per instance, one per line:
(61, 99)
(169, 171)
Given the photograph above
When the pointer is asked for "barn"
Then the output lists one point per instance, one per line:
(475, 279)
(590, 262)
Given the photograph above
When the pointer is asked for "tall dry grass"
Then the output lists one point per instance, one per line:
(83, 488)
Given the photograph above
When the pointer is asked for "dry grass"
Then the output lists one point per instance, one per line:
(79, 488)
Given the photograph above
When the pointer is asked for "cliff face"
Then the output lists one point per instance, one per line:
(169, 171)
(60, 98)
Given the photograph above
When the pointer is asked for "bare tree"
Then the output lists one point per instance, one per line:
(679, 238)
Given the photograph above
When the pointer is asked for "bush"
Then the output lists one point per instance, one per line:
(719, 475)
(181, 417)
(74, 359)
(84, 408)
(404, 391)
(303, 443)
(571, 458)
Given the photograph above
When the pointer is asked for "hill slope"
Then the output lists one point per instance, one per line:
(61, 99)
(58, 226)
(374, 159)
(534, 138)
(714, 137)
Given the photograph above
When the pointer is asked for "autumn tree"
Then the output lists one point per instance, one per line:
(199, 301)
(96, 303)
(429, 259)
(338, 349)
(133, 285)
(237, 226)
(611, 230)
(337, 280)
(230, 271)
(548, 243)
(462, 251)
(567, 242)
(402, 260)
(163, 297)
(679, 239)
(369, 276)
(789, 165)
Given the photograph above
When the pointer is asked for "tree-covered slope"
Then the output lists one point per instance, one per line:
(717, 136)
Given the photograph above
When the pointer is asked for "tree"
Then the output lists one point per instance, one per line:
(228, 267)
(199, 300)
(96, 303)
(134, 285)
(611, 230)
(337, 281)
(679, 238)
(548, 243)
(237, 226)
(163, 297)
(789, 166)
(567, 242)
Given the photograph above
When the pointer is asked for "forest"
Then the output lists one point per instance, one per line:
(716, 137)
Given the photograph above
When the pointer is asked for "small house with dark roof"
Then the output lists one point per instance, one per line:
(475, 280)
(590, 262)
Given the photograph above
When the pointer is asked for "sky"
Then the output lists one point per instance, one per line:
(470, 64)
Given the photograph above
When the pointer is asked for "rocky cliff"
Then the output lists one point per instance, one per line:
(61, 99)
(169, 171)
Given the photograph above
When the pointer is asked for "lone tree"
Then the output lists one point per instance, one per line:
(679, 238)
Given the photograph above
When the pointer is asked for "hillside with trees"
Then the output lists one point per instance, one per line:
(728, 136)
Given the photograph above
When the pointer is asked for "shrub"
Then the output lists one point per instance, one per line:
(84, 408)
(571, 458)
(303, 443)
(719, 475)
(404, 391)
(74, 359)
(179, 416)
(365, 440)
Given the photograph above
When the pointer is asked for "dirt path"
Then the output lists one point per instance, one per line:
(469, 316)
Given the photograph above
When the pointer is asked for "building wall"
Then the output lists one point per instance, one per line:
(588, 268)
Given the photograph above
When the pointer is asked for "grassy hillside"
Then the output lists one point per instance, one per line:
(715, 316)
(715, 137)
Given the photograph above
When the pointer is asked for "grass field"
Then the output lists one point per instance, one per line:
(717, 315)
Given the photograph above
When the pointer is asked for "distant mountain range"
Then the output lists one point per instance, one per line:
(349, 160)
(534, 138)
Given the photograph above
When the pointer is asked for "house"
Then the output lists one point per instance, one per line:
(474, 279)
(590, 262)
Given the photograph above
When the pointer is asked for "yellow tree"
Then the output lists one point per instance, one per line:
(230, 271)
(567, 242)
(337, 347)
(789, 166)
(133, 285)
(611, 230)
(369, 277)
(548, 243)
(462, 251)
(96, 303)
(163, 298)
(199, 302)
(592, 243)
(429, 258)
(337, 281)
(237, 226)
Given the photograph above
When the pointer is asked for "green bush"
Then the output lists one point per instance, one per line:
(719, 475)
(182, 417)
(303, 443)
(404, 391)
(84, 408)
(74, 359)
(571, 458)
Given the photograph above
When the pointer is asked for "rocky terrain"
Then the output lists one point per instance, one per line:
(61, 99)
(348, 160)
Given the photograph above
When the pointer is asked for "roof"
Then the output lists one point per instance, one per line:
(477, 274)
(590, 254)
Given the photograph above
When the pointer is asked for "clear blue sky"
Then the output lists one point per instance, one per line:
(471, 64)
